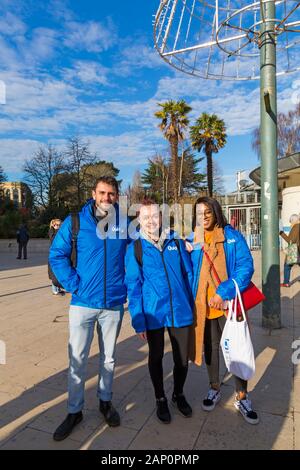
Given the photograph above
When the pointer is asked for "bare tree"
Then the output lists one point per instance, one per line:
(288, 128)
(41, 172)
(79, 160)
(135, 190)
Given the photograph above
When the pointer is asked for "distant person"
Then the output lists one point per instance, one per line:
(22, 240)
(292, 237)
(56, 286)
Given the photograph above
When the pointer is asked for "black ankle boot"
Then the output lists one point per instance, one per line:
(67, 426)
(162, 410)
(110, 414)
(179, 402)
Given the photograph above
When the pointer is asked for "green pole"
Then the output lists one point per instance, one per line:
(269, 170)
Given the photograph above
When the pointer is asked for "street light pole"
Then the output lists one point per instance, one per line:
(269, 170)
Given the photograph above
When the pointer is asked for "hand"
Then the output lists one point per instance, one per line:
(188, 246)
(143, 335)
(216, 302)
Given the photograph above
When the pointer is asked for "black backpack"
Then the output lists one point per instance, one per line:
(75, 230)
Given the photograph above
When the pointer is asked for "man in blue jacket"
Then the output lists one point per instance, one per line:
(98, 294)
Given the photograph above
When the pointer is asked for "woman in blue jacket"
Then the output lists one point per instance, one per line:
(228, 251)
(159, 279)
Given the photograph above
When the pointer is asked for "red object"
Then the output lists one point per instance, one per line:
(251, 296)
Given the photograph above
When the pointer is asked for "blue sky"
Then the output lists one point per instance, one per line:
(89, 68)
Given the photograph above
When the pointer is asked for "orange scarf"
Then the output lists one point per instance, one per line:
(214, 246)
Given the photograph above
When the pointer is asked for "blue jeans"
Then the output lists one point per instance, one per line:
(287, 272)
(81, 325)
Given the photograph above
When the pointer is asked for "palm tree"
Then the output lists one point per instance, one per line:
(208, 134)
(174, 121)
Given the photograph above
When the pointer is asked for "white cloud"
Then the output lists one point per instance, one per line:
(137, 56)
(11, 25)
(14, 152)
(89, 72)
(91, 36)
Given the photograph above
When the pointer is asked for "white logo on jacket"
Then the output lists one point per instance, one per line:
(231, 240)
(172, 248)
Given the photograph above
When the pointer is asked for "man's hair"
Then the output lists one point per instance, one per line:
(107, 180)
(216, 209)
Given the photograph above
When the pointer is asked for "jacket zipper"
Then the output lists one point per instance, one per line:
(169, 284)
(104, 272)
(104, 265)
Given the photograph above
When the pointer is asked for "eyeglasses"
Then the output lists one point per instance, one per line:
(56, 225)
(205, 214)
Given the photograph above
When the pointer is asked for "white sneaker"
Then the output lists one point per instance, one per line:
(213, 397)
(245, 408)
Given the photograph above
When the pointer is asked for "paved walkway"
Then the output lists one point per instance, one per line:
(34, 326)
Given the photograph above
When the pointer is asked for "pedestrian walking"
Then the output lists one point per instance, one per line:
(22, 240)
(293, 239)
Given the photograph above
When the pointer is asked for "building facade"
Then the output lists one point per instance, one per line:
(17, 192)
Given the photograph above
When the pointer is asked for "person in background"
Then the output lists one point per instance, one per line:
(292, 237)
(56, 286)
(22, 240)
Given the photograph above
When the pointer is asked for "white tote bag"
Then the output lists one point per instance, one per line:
(236, 342)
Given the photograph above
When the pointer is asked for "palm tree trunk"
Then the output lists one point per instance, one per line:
(181, 170)
(209, 172)
(174, 164)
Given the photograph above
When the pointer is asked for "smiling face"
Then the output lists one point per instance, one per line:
(150, 219)
(105, 195)
(205, 217)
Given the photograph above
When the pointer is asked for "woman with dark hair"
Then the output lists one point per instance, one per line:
(217, 244)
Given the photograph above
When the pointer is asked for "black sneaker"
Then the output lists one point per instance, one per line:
(162, 410)
(246, 410)
(182, 405)
(67, 426)
(110, 414)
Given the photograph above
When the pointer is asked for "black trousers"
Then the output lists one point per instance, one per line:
(212, 337)
(179, 338)
(22, 246)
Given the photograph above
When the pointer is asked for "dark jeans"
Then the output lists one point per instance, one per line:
(22, 246)
(287, 272)
(179, 340)
(212, 338)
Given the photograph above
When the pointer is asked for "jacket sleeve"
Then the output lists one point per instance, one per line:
(242, 272)
(134, 283)
(186, 258)
(60, 258)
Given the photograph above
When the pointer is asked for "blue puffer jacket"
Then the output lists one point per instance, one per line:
(159, 292)
(239, 263)
(98, 280)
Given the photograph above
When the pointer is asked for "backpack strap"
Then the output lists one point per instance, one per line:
(138, 252)
(75, 230)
